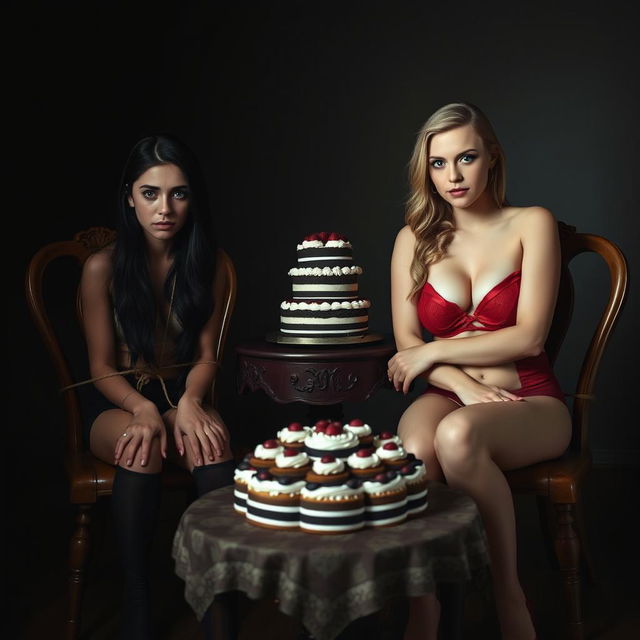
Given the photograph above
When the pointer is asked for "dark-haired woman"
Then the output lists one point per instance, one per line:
(147, 302)
(481, 276)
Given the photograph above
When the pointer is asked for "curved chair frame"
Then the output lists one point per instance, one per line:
(90, 478)
(558, 483)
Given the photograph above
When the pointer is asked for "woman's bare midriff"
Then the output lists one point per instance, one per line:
(504, 376)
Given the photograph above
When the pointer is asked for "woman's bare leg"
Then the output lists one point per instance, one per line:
(417, 428)
(474, 444)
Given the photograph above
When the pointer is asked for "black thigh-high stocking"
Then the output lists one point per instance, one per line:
(220, 619)
(213, 476)
(135, 502)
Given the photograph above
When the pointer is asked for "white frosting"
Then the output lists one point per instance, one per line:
(338, 492)
(319, 440)
(325, 305)
(243, 475)
(360, 431)
(365, 462)
(273, 487)
(317, 244)
(297, 461)
(378, 441)
(267, 454)
(327, 468)
(375, 488)
(285, 435)
(391, 454)
(325, 271)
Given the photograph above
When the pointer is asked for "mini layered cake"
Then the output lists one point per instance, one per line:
(385, 499)
(330, 438)
(272, 502)
(293, 435)
(325, 302)
(264, 454)
(291, 463)
(365, 464)
(393, 455)
(384, 437)
(241, 477)
(415, 478)
(362, 430)
(331, 501)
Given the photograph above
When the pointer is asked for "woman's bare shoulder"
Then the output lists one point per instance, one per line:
(99, 265)
(405, 237)
(531, 218)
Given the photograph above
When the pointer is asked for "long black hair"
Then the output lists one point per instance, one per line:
(193, 251)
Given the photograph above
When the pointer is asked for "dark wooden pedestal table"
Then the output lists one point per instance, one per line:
(321, 376)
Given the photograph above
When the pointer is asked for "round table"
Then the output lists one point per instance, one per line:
(326, 581)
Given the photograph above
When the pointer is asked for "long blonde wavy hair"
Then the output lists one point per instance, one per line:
(428, 215)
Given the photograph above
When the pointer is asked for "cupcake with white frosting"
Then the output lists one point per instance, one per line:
(365, 464)
(293, 435)
(291, 463)
(385, 499)
(362, 430)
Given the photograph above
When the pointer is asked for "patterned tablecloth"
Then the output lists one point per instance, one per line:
(326, 581)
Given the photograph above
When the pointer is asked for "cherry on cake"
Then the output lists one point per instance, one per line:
(384, 437)
(274, 503)
(330, 439)
(365, 464)
(385, 499)
(293, 435)
(331, 501)
(325, 301)
(362, 430)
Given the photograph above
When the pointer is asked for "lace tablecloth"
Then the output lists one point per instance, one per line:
(326, 581)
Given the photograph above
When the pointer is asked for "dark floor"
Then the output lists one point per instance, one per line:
(612, 603)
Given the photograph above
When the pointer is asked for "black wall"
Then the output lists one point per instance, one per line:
(304, 115)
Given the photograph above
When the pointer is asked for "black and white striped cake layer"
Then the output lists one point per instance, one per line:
(330, 516)
(379, 515)
(323, 256)
(239, 500)
(273, 515)
(344, 287)
(416, 502)
(333, 322)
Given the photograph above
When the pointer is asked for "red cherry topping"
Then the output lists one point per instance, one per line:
(364, 453)
(336, 236)
(407, 468)
(385, 435)
(390, 446)
(334, 429)
(288, 452)
(270, 444)
(295, 426)
(326, 459)
(321, 425)
(356, 422)
(380, 477)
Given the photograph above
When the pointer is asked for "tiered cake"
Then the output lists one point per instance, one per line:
(325, 301)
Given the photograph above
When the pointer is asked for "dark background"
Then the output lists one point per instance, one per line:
(304, 115)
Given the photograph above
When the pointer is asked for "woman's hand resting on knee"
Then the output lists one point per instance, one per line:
(204, 431)
(146, 424)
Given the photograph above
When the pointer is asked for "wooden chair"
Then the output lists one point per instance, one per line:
(558, 483)
(90, 478)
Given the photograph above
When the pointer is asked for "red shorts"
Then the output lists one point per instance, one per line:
(536, 379)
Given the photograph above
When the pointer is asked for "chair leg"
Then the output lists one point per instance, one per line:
(547, 518)
(585, 548)
(78, 553)
(567, 546)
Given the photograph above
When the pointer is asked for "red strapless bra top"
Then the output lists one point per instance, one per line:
(444, 319)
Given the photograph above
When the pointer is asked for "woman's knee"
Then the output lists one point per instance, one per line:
(456, 441)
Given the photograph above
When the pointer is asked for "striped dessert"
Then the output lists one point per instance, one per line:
(331, 501)
(415, 477)
(274, 503)
(323, 318)
(330, 438)
(241, 477)
(385, 499)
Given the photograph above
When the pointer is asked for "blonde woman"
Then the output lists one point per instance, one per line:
(480, 276)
